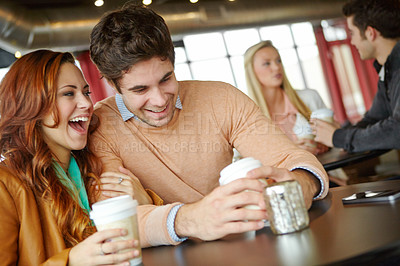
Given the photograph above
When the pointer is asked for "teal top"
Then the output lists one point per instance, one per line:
(74, 182)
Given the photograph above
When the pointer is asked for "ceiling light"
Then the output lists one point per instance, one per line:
(17, 54)
(146, 2)
(193, 1)
(99, 3)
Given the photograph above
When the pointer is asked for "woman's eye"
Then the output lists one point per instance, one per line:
(70, 93)
(87, 93)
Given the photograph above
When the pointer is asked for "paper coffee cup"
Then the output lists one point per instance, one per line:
(302, 130)
(239, 170)
(323, 114)
(305, 132)
(118, 212)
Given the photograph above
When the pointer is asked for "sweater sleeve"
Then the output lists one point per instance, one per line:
(152, 219)
(101, 142)
(377, 123)
(254, 135)
(104, 146)
(152, 222)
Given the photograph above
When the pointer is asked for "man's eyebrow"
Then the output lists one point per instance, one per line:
(137, 87)
(166, 75)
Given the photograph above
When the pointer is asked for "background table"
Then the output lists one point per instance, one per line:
(337, 158)
(359, 234)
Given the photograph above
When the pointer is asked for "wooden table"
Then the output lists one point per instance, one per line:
(337, 158)
(363, 234)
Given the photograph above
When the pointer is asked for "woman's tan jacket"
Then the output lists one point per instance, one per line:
(29, 234)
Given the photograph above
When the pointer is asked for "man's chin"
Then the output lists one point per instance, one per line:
(156, 122)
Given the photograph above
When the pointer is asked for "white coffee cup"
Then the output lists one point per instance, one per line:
(239, 170)
(306, 133)
(303, 131)
(118, 212)
(324, 114)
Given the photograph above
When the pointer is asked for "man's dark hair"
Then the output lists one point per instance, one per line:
(127, 36)
(383, 15)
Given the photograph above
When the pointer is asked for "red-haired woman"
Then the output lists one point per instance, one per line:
(45, 181)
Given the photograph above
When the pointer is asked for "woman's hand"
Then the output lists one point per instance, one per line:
(96, 250)
(116, 184)
(321, 148)
(308, 145)
(312, 146)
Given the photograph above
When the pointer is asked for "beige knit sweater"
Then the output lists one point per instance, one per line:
(182, 160)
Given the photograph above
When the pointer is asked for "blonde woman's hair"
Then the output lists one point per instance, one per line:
(254, 86)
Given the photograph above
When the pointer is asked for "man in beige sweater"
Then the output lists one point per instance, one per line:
(175, 137)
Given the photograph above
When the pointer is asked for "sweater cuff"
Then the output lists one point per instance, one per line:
(171, 224)
(153, 225)
(317, 176)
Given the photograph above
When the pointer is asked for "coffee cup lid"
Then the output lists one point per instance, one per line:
(113, 206)
(324, 112)
(241, 166)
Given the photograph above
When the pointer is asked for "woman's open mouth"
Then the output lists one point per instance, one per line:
(79, 124)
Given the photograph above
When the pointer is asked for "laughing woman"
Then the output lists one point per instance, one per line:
(45, 185)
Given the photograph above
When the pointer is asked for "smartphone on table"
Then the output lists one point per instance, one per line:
(388, 195)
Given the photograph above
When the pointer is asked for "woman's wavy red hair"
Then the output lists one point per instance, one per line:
(27, 94)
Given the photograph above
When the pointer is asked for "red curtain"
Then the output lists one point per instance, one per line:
(337, 78)
(99, 87)
(330, 75)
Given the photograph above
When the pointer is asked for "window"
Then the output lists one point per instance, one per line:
(219, 56)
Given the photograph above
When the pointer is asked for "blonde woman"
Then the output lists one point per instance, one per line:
(269, 87)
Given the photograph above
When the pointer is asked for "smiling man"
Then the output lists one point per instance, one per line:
(374, 26)
(149, 90)
(176, 137)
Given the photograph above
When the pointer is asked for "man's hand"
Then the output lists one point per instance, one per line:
(323, 131)
(221, 212)
(309, 183)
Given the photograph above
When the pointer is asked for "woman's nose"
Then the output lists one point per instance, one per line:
(84, 102)
(275, 65)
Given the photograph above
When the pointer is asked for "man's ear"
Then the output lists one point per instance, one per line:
(371, 33)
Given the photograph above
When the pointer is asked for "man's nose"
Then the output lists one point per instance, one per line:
(158, 97)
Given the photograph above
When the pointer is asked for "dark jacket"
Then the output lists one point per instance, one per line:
(380, 127)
